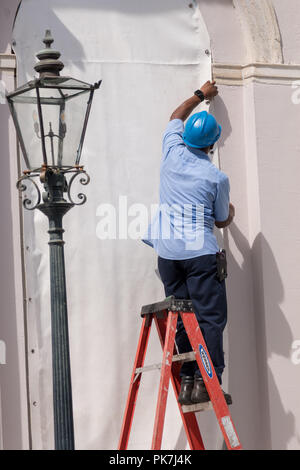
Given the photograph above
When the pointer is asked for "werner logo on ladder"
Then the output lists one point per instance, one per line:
(165, 315)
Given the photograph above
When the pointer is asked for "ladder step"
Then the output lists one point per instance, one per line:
(185, 357)
(170, 303)
(197, 407)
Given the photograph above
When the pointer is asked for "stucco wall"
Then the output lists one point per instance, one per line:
(12, 374)
(224, 49)
(277, 256)
(261, 156)
(288, 15)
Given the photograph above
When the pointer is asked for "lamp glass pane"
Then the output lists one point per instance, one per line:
(26, 115)
(63, 114)
(64, 119)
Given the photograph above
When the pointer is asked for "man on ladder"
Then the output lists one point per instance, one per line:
(194, 196)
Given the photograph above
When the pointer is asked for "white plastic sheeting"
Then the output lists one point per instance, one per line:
(150, 56)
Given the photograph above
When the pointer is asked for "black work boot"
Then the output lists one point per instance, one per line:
(200, 394)
(227, 397)
(187, 383)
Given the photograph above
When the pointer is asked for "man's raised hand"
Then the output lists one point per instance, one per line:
(209, 90)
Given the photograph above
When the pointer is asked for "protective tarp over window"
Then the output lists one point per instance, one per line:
(151, 55)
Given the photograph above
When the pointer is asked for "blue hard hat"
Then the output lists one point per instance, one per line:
(201, 130)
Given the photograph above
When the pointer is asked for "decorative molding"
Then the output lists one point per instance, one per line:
(7, 62)
(264, 59)
(235, 74)
(261, 31)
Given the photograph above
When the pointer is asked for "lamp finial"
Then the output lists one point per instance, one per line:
(48, 64)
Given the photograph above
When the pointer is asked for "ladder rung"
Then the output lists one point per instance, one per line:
(197, 407)
(185, 357)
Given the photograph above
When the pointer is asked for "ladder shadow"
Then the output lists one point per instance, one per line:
(272, 336)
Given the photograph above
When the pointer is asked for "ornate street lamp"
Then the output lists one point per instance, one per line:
(50, 114)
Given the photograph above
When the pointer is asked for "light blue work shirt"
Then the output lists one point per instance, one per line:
(193, 194)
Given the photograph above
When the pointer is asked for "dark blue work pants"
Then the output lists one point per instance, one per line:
(196, 279)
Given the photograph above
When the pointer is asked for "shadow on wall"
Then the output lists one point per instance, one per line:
(70, 49)
(262, 263)
(220, 112)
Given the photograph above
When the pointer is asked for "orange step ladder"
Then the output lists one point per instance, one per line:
(165, 315)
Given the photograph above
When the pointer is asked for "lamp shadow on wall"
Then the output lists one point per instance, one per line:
(70, 48)
(259, 259)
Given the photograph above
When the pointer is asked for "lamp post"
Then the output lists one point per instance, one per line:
(50, 114)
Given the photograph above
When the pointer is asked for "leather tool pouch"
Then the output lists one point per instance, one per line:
(221, 265)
